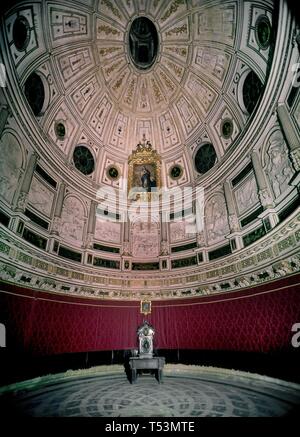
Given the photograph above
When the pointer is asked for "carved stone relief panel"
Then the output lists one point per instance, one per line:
(188, 115)
(172, 11)
(130, 92)
(216, 23)
(177, 231)
(211, 62)
(216, 219)
(72, 221)
(128, 6)
(119, 84)
(167, 82)
(246, 195)
(145, 240)
(119, 133)
(40, 197)
(168, 131)
(179, 51)
(143, 103)
(112, 69)
(100, 116)
(68, 25)
(177, 71)
(278, 166)
(106, 31)
(106, 230)
(83, 95)
(74, 64)
(144, 128)
(156, 93)
(10, 165)
(178, 31)
(111, 9)
(200, 91)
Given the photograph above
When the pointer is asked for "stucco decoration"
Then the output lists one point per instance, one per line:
(216, 219)
(278, 167)
(40, 197)
(246, 195)
(10, 166)
(72, 221)
(145, 240)
(107, 231)
(177, 231)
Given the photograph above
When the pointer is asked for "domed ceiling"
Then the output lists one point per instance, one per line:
(198, 85)
(190, 92)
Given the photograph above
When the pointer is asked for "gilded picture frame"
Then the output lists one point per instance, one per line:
(144, 174)
(145, 307)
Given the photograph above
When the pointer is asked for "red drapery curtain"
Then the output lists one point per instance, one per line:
(257, 319)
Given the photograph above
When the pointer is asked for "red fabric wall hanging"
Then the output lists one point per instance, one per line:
(258, 319)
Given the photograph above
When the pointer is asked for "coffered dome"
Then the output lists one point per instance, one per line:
(201, 76)
(201, 82)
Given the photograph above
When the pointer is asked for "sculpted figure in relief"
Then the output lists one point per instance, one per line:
(216, 219)
(177, 231)
(72, 221)
(10, 165)
(279, 168)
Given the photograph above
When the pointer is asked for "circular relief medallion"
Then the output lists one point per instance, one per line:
(60, 130)
(226, 128)
(205, 158)
(113, 172)
(263, 31)
(176, 171)
(83, 160)
(21, 33)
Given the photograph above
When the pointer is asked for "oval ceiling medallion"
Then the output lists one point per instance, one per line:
(205, 158)
(83, 160)
(60, 130)
(112, 172)
(143, 43)
(35, 93)
(21, 33)
(226, 128)
(176, 172)
(263, 31)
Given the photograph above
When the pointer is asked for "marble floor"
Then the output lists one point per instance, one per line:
(191, 391)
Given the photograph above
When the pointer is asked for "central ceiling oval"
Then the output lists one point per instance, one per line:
(143, 43)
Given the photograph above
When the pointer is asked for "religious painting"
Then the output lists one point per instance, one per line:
(145, 307)
(144, 173)
(144, 176)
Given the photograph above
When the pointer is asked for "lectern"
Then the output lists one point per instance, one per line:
(145, 359)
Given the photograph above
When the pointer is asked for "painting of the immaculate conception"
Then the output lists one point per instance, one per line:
(144, 173)
(144, 178)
